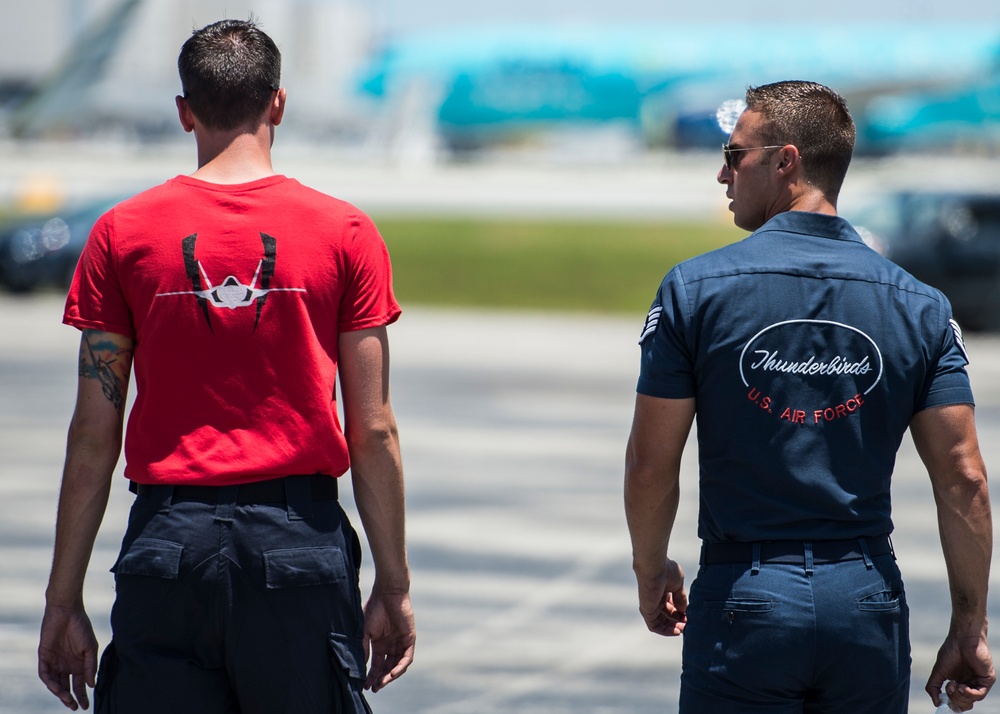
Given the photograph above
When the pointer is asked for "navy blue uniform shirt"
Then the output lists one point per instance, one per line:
(807, 354)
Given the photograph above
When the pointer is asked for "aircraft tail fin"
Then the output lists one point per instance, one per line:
(58, 97)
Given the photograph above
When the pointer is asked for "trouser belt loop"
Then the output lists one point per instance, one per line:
(892, 550)
(755, 565)
(226, 504)
(168, 499)
(863, 542)
(298, 497)
(808, 546)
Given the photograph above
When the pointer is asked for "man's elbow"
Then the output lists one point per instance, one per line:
(94, 436)
(976, 491)
(645, 470)
(645, 481)
(964, 493)
(965, 479)
(372, 438)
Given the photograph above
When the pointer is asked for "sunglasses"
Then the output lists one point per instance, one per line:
(727, 153)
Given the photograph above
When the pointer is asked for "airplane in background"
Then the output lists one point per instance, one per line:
(965, 117)
(478, 87)
(55, 102)
(659, 86)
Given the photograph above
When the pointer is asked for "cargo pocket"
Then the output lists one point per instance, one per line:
(151, 558)
(106, 672)
(303, 567)
(348, 662)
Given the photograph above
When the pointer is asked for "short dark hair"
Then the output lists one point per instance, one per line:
(228, 70)
(816, 120)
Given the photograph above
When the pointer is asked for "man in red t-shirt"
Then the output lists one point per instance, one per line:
(237, 296)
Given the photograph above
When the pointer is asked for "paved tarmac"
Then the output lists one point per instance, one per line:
(573, 183)
(513, 431)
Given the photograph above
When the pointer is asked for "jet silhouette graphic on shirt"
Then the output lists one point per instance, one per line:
(231, 293)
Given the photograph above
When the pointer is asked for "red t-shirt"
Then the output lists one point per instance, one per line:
(235, 296)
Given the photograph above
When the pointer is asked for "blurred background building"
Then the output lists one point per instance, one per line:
(440, 83)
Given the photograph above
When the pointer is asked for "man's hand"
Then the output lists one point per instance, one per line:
(967, 665)
(390, 637)
(663, 600)
(67, 654)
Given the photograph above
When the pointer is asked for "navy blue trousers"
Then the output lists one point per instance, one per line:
(229, 608)
(791, 639)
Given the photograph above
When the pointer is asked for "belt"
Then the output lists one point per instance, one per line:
(322, 488)
(794, 551)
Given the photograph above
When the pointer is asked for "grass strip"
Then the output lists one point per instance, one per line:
(537, 264)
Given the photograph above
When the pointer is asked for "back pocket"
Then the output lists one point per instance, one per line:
(303, 567)
(151, 558)
(882, 601)
(739, 605)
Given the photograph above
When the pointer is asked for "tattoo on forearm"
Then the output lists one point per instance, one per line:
(96, 367)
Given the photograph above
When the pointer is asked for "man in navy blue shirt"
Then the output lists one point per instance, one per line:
(805, 356)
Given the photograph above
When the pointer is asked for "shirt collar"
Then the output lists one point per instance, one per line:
(814, 224)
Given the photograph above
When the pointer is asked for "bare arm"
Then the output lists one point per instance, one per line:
(377, 477)
(67, 651)
(946, 440)
(660, 429)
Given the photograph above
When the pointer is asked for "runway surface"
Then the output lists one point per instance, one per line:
(513, 430)
(573, 182)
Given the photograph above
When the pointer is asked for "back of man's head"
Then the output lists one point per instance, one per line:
(229, 70)
(816, 120)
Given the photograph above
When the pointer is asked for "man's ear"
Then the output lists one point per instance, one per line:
(788, 159)
(278, 106)
(184, 113)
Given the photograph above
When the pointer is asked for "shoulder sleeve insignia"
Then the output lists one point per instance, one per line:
(652, 321)
(958, 339)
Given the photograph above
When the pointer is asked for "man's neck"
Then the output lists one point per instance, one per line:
(234, 157)
(815, 204)
(806, 197)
